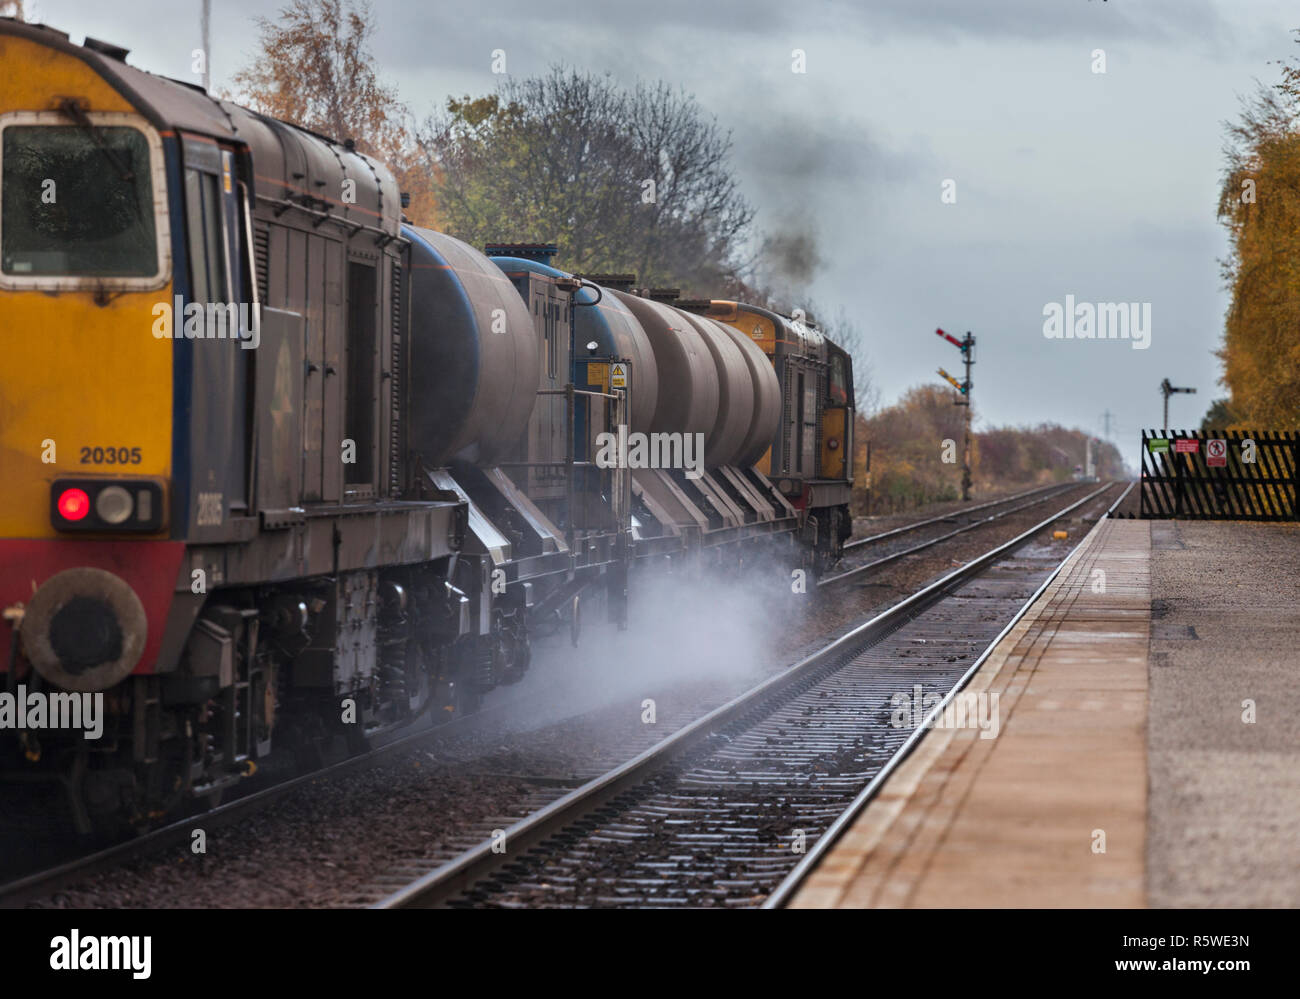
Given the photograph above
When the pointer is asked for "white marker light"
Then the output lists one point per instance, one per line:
(113, 505)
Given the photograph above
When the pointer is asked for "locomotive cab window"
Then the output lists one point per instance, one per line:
(207, 240)
(80, 203)
(839, 381)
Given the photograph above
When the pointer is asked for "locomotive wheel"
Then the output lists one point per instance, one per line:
(356, 739)
(419, 698)
(104, 802)
(308, 757)
(466, 699)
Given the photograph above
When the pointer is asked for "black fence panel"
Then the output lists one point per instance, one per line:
(1220, 474)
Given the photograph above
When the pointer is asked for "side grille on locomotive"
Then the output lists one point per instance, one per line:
(395, 391)
(262, 258)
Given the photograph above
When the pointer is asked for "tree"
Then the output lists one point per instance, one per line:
(697, 213)
(1219, 416)
(908, 449)
(1259, 204)
(314, 69)
(844, 332)
(623, 180)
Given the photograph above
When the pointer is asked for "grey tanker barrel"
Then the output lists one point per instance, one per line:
(600, 318)
(472, 361)
(688, 378)
(766, 419)
(615, 331)
(726, 444)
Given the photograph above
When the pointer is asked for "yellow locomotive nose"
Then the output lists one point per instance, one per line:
(84, 630)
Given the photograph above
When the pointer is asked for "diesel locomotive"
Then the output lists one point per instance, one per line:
(282, 468)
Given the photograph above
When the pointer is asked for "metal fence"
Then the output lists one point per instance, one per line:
(1220, 474)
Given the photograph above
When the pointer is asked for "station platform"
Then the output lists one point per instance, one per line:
(1148, 750)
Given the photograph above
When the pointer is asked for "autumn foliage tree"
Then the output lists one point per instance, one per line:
(1259, 204)
(906, 440)
(907, 448)
(314, 68)
(623, 179)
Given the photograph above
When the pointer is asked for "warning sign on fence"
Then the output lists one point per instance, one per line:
(1218, 489)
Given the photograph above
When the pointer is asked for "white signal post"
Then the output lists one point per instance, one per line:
(967, 347)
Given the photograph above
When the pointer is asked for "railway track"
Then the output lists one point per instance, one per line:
(790, 884)
(947, 518)
(24, 890)
(42, 884)
(721, 812)
(893, 551)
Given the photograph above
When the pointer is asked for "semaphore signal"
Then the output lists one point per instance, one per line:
(959, 344)
(966, 345)
(1166, 390)
(959, 386)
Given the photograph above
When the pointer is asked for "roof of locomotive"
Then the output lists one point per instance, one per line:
(291, 163)
(800, 334)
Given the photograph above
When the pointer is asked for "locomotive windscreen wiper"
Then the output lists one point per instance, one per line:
(72, 108)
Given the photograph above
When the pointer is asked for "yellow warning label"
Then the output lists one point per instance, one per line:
(618, 376)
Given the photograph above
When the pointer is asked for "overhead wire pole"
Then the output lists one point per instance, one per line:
(966, 346)
(1167, 390)
(204, 23)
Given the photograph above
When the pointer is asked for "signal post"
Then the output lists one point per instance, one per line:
(1166, 390)
(966, 346)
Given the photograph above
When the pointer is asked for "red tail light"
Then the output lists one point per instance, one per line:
(74, 504)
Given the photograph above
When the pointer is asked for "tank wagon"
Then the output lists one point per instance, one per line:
(678, 373)
(810, 458)
(284, 469)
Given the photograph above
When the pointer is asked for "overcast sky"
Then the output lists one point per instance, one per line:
(1068, 181)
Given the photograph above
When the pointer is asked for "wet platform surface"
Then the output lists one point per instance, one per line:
(1224, 726)
(1051, 812)
(1149, 743)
